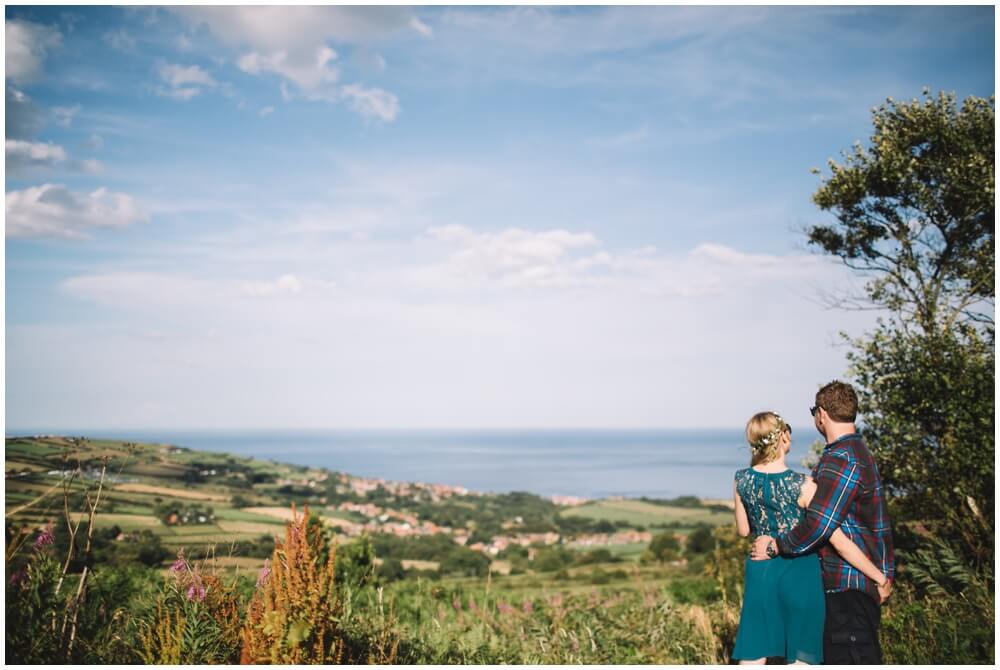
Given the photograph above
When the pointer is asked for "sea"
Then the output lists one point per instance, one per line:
(584, 463)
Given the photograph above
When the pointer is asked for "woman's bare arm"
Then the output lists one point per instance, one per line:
(849, 551)
(742, 522)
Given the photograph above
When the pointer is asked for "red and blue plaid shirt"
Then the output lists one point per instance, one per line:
(849, 496)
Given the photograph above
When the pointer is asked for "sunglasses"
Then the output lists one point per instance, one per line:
(814, 409)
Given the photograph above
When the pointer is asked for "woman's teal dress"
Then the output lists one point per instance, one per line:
(783, 602)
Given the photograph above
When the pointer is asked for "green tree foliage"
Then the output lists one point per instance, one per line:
(356, 563)
(915, 211)
(929, 408)
(664, 547)
(915, 215)
(700, 541)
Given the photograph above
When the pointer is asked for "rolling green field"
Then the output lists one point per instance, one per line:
(648, 514)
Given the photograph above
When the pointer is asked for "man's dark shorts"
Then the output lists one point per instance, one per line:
(850, 636)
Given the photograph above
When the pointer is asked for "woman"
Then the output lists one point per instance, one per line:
(783, 605)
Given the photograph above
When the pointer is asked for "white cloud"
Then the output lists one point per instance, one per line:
(120, 39)
(514, 257)
(23, 157)
(559, 259)
(372, 102)
(284, 27)
(27, 44)
(52, 210)
(184, 82)
(179, 75)
(22, 154)
(313, 73)
(63, 116)
(149, 289)
(295, 44)
(283, 285)
(220, 296)
(266, 111)
(421, 27)
(95, 142)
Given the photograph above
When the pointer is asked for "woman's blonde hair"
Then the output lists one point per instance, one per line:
(764, 431)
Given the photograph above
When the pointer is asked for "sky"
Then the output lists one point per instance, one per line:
(436, 217)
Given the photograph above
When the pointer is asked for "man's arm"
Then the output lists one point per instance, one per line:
(836, 486)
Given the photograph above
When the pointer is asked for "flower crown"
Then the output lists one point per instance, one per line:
(770, 438)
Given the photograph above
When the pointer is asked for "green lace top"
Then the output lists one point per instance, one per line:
(770, 499)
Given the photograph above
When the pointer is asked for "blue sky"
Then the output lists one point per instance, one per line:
(253, 217)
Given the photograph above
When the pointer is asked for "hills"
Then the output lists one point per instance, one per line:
(168, 497)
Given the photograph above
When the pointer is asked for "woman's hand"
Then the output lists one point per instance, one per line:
(764, 547)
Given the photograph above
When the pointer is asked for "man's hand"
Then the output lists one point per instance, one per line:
(884, 591)
(764, 547)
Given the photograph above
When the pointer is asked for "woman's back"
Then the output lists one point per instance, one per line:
(770, 499)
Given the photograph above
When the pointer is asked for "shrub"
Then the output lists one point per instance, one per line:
(294, 613)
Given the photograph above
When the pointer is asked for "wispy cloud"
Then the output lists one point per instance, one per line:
(63, 116)
(24, 158)
(296, 45)
(372, 102)
(120, 39)
(184, 82)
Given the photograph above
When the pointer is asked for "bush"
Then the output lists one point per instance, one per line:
(693, 590)
(293, 615)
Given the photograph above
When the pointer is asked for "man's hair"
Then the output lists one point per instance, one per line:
(839, 400)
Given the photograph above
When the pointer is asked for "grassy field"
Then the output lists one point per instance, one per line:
(648, 514)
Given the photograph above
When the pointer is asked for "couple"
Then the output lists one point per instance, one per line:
(822, 561)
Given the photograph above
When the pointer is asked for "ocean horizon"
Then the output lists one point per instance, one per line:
(588, 463)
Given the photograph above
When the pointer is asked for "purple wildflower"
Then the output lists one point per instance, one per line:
(45, 538)
(196, 592)
(264, 574)
(17, 577)
(180, 565)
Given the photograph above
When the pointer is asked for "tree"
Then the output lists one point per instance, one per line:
(915, 211)
(700, 541)
(929, 408)
(665, 547)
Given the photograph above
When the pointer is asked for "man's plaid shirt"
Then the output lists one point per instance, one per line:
(849, 495)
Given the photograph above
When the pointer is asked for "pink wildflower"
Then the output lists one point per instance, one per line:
(457, 604)
(504, 608)
(196, 592)
(180, 565)
(17, 577)
(264, 574)
(44, 539)
(527, 607)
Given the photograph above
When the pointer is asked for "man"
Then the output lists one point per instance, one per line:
(848, 496)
